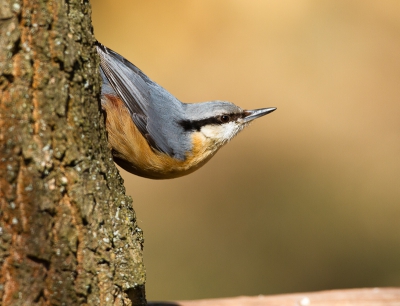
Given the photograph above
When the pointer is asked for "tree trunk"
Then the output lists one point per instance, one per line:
(68, 232)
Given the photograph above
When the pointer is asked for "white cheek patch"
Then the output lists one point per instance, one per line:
(221, 133)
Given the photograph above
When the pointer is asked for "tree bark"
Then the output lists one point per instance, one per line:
(68, 232)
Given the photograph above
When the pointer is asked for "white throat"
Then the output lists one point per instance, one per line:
(221, 134)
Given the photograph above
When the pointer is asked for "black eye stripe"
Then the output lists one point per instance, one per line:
(196, 125)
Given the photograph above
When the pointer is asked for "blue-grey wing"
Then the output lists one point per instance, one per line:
(137, 92)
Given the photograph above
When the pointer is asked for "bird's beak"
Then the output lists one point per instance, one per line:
(250, 115)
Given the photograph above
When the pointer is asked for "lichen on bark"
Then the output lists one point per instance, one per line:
(68, 232)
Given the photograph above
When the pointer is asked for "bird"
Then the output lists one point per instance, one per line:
(154, 135)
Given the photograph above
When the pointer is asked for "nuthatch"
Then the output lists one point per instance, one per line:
(153, 134)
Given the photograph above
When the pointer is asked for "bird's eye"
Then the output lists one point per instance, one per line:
(224, 118)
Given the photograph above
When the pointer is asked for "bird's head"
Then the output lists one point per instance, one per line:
(217, 122)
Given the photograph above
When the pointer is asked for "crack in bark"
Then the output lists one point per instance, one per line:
(40, 261)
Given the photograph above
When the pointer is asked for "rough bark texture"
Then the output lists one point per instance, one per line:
(68, 233)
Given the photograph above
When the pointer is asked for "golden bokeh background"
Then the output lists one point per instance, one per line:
(308, 197)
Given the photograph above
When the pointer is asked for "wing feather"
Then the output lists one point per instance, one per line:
(134, 89)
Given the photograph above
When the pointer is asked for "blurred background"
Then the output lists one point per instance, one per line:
(308, 197)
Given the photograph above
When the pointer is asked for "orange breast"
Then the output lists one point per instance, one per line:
(132, 152)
